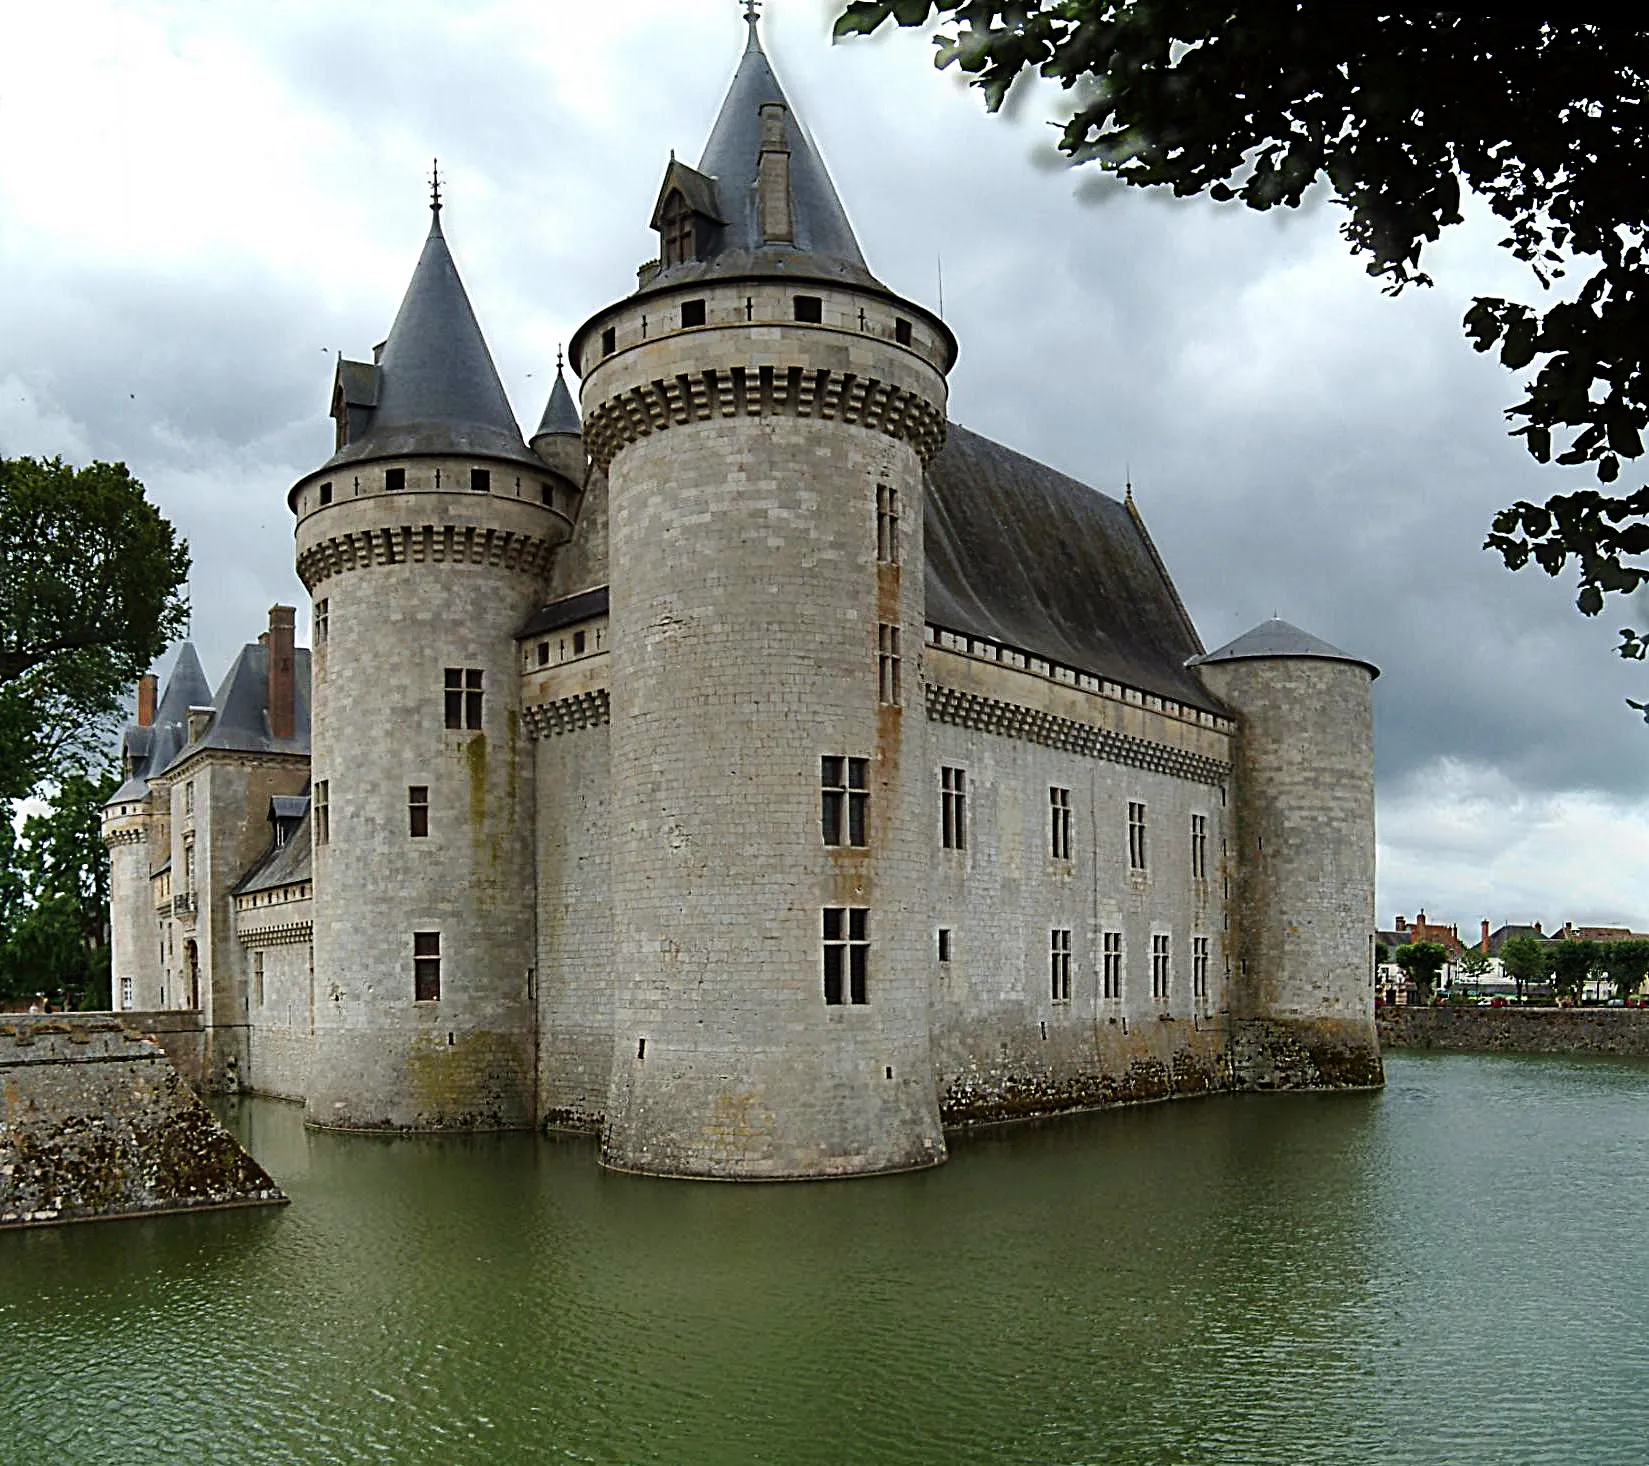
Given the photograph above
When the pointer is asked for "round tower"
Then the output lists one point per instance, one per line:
(424, 542)
(763, 409)
(1302, 1003)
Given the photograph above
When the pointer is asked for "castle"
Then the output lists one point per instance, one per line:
(756, 768)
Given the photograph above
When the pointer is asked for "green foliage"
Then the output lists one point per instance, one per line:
(1527, 961)
(1420, 963)
(54, 898)
(1626, 964)
(1573, 964)
(1474, 964)
(92, 582)
(1397, 111)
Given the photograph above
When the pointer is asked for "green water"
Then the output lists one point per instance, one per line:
(1455, 1270)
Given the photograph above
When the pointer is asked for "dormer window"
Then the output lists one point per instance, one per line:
(679, 232)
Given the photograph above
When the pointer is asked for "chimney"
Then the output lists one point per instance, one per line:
(1420, 918)
(148, 686)
(283, 698)
(773, 177)
(200, 719)
(1484, 944)
(1402, 925)
(1537, 930)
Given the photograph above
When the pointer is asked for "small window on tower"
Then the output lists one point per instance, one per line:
(326, 495)
(426, 967)
(463, 697)
(692, 313)
(395, 480)
(322, 811)
(944, 944)
(481, 480)
(609, 341)
(418, 810)
(546, 494)
(901, 331)
(578, 643)
(846, 955)
(543, 654)
(322, 620)
(809, 309)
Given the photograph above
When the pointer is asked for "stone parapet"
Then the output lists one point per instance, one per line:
(1516, 1030)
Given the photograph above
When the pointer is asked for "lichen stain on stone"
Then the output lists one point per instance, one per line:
(468, 1084)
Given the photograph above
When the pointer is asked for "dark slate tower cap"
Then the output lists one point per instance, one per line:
(1277, 638)
(433, 388)
(560, 412)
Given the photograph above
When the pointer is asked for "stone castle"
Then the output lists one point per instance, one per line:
(756, 769)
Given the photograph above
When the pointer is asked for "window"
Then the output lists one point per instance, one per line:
(463, 697)
(1111, 974)
(321, 811)
(692, 313)
(546, 493)
(189, 863)
(543, 654)
(953, 809)
(810, 309)
(844, 794)
(609, 341)
(1199, 847)
(325, 495)
(1059, 823)
(944, 944)
(679, 243)
(1199, 966)
(1159, 967)
(188, 796)
(846, 954)
(889, 678)
(395, 480)
(257, 978)
(125, 993)
(1059, 964)
(1136, 836)
(418, 810)
(901, 331)
(887, 524)
(323, 610)
(426, 967)
(481, 480)
(578, 643)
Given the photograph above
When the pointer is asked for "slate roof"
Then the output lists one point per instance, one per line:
(241, 723)
(153, 748)
(1277, 638)
(560, 412)
(1021, 554)
(435, 387)
(1498, 939)
(566, 612)
(825, 246)
(281, 865)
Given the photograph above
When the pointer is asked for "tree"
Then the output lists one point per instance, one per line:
(92, 584)
(1573, 963)
(1474, 965)
(1527, 961)
(56, 934)
(1421, 962)
(1398, 110)
(1626, 964)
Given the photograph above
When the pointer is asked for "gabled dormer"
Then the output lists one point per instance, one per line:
(688, 216)
(354, 396)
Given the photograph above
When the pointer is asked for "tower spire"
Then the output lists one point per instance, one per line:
(435, 187)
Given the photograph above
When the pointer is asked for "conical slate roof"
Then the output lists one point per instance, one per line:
(438, 390)
(156, 746)
(560, 412)
(1278, 638)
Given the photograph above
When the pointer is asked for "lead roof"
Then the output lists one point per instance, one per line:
(1279, 638)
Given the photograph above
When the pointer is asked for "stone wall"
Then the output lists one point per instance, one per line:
(95, 1123)
(181, 1033)
(1517, 1030)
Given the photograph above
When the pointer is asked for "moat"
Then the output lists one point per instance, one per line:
(1453, 1269)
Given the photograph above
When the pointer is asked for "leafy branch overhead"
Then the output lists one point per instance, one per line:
(1399, 110)
(91, 590)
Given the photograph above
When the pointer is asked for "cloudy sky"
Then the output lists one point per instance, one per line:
(201, 203)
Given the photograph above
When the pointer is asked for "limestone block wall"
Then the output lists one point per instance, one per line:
(415, 583)
(1005, 1042)
(278, 974)
(745, 460)
(96, 1123)
(134, 936)
(1304, 994)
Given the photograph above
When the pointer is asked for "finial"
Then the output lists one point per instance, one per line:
(1128, 479)
(752, 16)
(559, 358)
(435, 186)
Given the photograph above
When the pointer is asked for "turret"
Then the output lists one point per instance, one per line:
(763, 409)
(559, 440)
(424, 541)
(1302, 1000)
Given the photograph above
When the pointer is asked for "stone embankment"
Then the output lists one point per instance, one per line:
(95, 1122)
(1516, 1030)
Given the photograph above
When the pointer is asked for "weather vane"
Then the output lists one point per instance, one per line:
(435, 185)
(752, 10)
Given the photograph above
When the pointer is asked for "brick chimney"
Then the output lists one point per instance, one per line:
(148, 689)
(1402, 925)
(283, 697)
(1537, 930)
(1483, 945)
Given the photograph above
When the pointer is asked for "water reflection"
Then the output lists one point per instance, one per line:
(1433, 1273)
